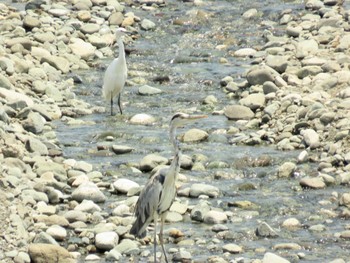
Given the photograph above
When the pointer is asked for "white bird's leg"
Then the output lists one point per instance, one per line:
(119, 104)
(111, 104)
(161, 237)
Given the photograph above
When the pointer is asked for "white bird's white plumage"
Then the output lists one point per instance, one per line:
(159, 193)
(116, 74)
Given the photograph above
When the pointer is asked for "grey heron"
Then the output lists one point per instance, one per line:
(159, 193)
(116, 73)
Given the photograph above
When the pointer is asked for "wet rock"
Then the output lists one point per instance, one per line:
(289, 246)
(344, 200)
(45, 238)
(232, 248)
(313, 183)
(215, 217)
(76, 215)
(81, 48)
(238, 112)
(253, 101)
(173, 217)
(195, 135)
(121, 210)
(142, 118)
(182, 256)
(210, 100)
(37, 196)
(34, 123)
(88, 191)
(92, 258)
(149, 162)
(114, 255)
(186, 162)
(306, 47)
(344, 178)
(345, 234)
(124, 185)
(58, 12)
(106, 240)
(87, 206)
(245, 52)
(308, 71)
(147, 24)
(286, 169)
(198, 211)
(219, 228)
(57, 232)
(264, 230)
(83, 166)
(273, 258)
(29, 22)
(5, 83)
(302, 157)
(317, 228)
(311, 138)
(269, 87)
(259, 76)
(178, 207)
(226, 80)
(13, 96)
(204, 189)
(127, 246)
(116, 18)
(36, 146)
(42, 253)
(294, 31)
(291, 223)
(121, 149)
(272, 109)
(278, 63)
(57, 169)
(22, 257)
(148, 90)
(90, 28)
(4, 117)
(244, 204)
(45, 209)
(57, 62)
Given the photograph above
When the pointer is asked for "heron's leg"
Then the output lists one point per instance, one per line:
(111, 104)
(119, 104)
(161, 237)
(155, 239)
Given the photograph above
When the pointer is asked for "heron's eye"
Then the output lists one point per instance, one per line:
(177, 115)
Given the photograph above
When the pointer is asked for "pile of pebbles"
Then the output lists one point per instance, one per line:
(295, 96)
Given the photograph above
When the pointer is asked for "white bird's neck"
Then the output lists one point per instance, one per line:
(121, 48)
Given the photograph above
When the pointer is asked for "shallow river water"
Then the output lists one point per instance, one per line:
(187, 54)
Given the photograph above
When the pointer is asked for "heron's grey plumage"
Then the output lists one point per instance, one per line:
(156, 197)
(159, 193)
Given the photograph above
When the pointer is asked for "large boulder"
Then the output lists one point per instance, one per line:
(238, 112)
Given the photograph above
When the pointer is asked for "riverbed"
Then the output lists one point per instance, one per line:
(184, 50)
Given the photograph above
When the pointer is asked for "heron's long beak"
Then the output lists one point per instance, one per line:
(195, 117)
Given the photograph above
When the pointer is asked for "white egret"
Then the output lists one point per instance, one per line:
(159, 193)
(116, 73)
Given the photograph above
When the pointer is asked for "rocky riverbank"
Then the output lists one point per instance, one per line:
(295, 96)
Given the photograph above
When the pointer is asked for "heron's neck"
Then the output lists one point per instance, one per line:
(173, 139)
(176, 161)
(121, 48)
